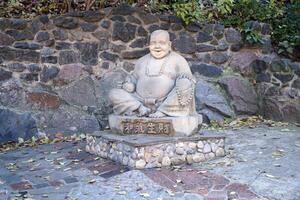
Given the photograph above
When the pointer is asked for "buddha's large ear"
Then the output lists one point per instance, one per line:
(170, 45)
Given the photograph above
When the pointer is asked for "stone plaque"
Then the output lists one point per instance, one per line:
(173, 126)
(151, 127)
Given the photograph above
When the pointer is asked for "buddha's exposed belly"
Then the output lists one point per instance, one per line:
(154, 87)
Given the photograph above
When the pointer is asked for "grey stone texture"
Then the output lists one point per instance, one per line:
(14, 125)
(145, 151)
(211, 102)
(80, 92)
(243, 96)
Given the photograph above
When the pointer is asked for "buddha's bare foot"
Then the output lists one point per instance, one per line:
(143, 110)
(157, 114)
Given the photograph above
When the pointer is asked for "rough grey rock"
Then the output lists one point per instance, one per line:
(69, 73)
(123, 32)
(211, 102)
(29, 76)
(5, 75)
(9, 54)
(66, 22)
(6, 39)
(133, 20)
(60, 34)
(219, 57)
(279, 65)
(11, 93)
(296, 83)
(118, 18)
(68, 56)
(233, 36)
(49, 59)
(139, 43)
(193, 27)
(62, 45)
(153, 27)
(218, 30)
(14, 125)
(20, 35)
(263, 77)
(48, 73)
(92, 15)
(81, 93)
(109, 56)
(207, 70)
(281, 108)
(89, 53)
(105, 24)
(185, 44)
(67, 120)
(243, 97)
(142, 32)
(34, 26)
(16, 67)
(88, 27)
(204, 37)
(34, 68)
(44, 19)
(241, 61)
(284, 78)
(205, 48)
(259, 66)
(42, 36)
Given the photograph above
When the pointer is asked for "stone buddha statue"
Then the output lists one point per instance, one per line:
(161, 84)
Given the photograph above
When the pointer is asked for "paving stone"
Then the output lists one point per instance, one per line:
(41, 185)
(70, 179)
(21, 186)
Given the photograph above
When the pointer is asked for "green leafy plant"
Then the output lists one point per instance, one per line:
(252, 36)
(286, 31)
(188, 11)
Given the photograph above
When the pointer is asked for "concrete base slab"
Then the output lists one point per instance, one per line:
(148, 151)
(175, 126)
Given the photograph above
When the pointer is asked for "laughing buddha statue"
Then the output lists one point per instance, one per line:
(161, 84)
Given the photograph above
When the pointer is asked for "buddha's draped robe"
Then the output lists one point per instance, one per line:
(171, 91)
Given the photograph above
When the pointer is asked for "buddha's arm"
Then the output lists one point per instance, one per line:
(185, 78)
(131, 79)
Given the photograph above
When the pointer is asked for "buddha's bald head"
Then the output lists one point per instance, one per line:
(160, 33)
(160, 44)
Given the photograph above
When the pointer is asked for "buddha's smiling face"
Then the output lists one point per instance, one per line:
(160, 44)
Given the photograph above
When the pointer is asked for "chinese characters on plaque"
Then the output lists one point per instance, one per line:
(147, 128)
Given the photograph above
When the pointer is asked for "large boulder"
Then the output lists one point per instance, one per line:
(281, 108)
(80, 93)
(14, 125)
(109, 81)
(210, 102)
(241, 93)
(241, 61)
(11, 93)
(68, 120)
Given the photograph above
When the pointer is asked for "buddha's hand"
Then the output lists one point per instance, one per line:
(129, 87)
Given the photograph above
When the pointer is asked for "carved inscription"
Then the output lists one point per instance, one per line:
(130, 127)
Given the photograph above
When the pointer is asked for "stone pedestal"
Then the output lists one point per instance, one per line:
(148, 151)
(172, 126)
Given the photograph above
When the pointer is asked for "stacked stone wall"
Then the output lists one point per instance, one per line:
(58, 69)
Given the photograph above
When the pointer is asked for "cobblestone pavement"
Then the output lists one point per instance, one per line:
(261, 163)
